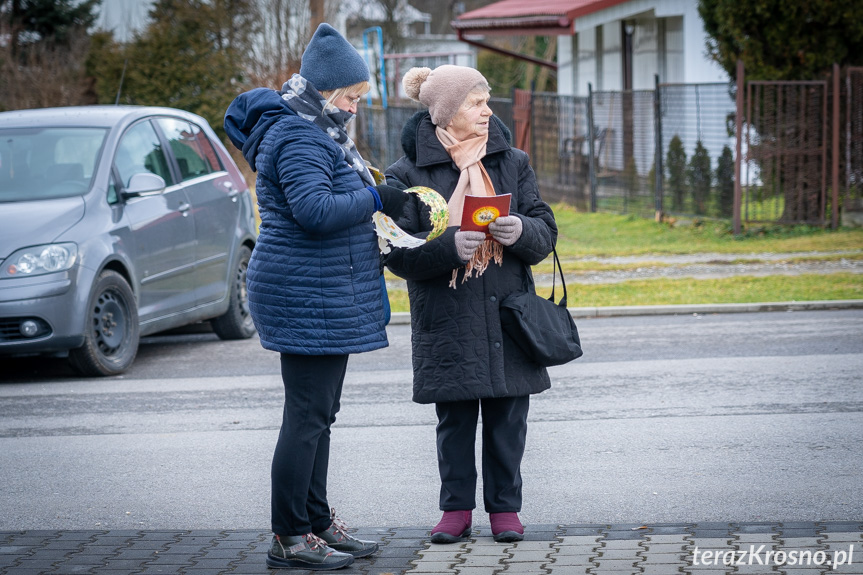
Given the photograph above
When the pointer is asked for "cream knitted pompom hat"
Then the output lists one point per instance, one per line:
(443, 89)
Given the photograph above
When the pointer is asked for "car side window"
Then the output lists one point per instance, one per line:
(194, 153)
(139, 152)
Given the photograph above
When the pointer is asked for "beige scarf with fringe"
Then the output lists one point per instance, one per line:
(473, 180)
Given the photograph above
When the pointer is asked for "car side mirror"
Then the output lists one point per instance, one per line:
(144, 184)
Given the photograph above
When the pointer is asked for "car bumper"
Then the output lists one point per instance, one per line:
(51, 302)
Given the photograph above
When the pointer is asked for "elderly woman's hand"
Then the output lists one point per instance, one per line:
(506, 229)
(466, 243)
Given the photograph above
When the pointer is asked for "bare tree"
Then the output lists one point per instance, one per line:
(392, 26)
(317, 14)
(43, 48)
(45, 75)
(278, 44)
(285, 29)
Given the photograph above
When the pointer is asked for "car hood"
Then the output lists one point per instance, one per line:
(32, 223)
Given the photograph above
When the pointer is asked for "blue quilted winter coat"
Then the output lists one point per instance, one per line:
(314, 277)
(460, 351)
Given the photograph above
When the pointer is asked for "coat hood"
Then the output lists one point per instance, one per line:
(420, 126)
(249, 117)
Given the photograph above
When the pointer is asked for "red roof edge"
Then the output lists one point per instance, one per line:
(551, 17)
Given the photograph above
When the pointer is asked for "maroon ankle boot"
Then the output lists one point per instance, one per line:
(453, 527)
(506, 527)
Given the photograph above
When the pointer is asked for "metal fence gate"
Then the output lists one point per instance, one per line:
(802, 158)
(784, 173)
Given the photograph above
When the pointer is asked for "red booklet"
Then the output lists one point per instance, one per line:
(480, 211)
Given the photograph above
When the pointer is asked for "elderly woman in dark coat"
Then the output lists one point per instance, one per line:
(314, 278)
(462, 360)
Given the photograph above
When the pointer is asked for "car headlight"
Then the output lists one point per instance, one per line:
(37, 260)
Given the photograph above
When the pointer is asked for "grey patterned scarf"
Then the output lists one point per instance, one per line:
(307, 102)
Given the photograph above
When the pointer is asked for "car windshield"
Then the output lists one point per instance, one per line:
(46, 163)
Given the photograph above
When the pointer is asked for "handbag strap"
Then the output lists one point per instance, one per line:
(555, 268)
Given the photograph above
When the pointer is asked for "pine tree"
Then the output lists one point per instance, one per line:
(725, 182)
(183, 59)
(675, 162)
(699, 177)
(783, 39)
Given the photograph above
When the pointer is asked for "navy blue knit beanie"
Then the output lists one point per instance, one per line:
(330, 62)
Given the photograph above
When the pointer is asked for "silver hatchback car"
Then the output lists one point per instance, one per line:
(117, 222)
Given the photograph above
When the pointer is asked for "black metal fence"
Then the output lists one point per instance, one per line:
(559, 148)
(608, 164)
(668, 151)
(379, 132)
(697, 149)
(624, 151)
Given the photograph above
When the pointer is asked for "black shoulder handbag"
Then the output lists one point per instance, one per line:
(543, 329)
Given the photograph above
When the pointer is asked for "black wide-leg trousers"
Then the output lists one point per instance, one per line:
(504, 431)
(313, 386)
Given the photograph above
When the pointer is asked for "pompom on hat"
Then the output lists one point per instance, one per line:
(443, 89)
(330, 62)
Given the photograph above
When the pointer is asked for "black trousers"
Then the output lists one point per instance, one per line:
(313, 386)
(504, 430)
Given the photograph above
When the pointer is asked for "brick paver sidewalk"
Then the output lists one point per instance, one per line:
(655, 549)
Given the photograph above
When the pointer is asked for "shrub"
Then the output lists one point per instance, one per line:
(725, 182)
(675, 161)
(699, 176)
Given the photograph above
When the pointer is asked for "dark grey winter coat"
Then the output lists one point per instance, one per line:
(459, 349)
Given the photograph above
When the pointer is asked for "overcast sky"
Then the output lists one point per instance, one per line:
(123, 17)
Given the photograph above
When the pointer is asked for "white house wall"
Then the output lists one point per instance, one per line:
(566, 60)
(690, 66)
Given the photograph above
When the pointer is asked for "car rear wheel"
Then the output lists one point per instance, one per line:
(236, 323)
(112, 331)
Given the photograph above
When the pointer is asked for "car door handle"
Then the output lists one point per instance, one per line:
(232, 191)
(184, 209)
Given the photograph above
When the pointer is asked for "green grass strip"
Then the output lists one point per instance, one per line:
(601, 234)
(737, 289)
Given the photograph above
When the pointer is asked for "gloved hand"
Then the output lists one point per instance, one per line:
(466, 243)
(506, 229)
(393, 200)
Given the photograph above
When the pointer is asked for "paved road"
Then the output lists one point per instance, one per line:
(669, 419)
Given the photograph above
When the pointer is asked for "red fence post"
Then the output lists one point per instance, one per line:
(835, 198)
(521, 103)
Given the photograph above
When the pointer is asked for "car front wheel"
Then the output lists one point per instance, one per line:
(236, 323)
(112, 332)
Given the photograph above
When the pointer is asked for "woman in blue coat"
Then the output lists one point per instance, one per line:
(314, 277)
